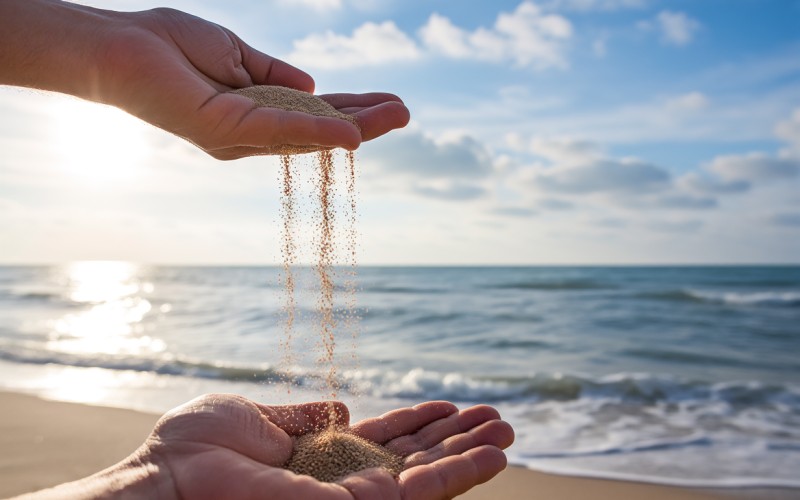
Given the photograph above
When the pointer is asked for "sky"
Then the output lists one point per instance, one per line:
(542, 132)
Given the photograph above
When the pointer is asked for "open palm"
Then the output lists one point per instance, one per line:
(173, 70)
(225, 446)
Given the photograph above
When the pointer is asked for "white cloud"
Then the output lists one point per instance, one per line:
(449, 190)
(754, 167)
(319, 5)
(527, 37)
(589, 5)
(708, 184)
(565, 150)
(605, 176)
(689, 102)
(417, 154)
(789, 131)
(370, 44)
(676, 28)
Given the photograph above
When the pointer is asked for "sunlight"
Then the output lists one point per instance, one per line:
(101, 281)
(97, 143)
(112, 324)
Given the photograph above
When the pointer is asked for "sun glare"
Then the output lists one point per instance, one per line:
(114, 307)
(98, 143)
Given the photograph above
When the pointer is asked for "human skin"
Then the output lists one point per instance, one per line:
(225, 446)
(173, 70)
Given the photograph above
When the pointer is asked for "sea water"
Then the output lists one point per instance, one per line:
(684, 375)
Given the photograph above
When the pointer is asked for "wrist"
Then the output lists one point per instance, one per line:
(53, 45)
(138, 476)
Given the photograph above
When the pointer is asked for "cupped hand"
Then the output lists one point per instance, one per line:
(173, 70)
(225, 446)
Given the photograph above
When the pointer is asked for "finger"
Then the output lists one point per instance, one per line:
(367, 100)
(308, 417)
(370, 484)
(228, 421)
(265, 127)
(378, 120)
(238, 152)
(267, 70)
(494, 433)
(452, 476)
(436, 432)
(250, 480)
(403, 421)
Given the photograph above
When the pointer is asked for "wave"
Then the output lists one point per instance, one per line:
(645, 389)
(38, 297)
(636, 447)
(418, 383)
(165, 366)
(739, 481)
(388, 289)
(787, 299)
(776, 299)
(558, 285)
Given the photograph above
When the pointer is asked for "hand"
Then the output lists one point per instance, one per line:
(173, 70)
(226, 446)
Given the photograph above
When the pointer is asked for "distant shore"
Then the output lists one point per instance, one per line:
(45, 443)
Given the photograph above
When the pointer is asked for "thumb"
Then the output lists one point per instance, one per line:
(227, 421)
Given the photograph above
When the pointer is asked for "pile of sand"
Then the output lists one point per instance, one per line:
(332, 454)
(273, 96)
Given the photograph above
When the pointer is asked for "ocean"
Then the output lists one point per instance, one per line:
(679, 375)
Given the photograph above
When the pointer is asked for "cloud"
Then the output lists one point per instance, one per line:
(526, 36)
(319, 5)
(676, 28)
(605, 176)
(786, 219)
(687, 202)
(754, 167)
(555, 204)
(690, 102)
(675, 226)
(370, 44)
(565, 150)
(450, 191)
(417, 154)
(514, 211)
(590, 5)
(789, 131)
(704, 183)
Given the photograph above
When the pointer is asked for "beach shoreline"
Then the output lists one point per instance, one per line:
(50, 442)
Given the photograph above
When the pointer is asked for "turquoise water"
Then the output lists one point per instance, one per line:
(687, 375)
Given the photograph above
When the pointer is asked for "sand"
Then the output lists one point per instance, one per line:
(273, 96)
(45, 443)
(332, 454)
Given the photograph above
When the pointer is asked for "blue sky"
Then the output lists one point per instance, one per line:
(558, 131)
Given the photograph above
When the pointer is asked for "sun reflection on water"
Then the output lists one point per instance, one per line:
(113, 307)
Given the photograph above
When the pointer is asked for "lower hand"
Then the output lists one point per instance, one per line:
(225, 446)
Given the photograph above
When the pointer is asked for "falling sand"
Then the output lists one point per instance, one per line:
(333, 453)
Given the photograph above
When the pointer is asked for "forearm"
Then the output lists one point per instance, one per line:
(52, 45)
(131, 478)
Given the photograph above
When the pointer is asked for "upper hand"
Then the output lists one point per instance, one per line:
(173, 70)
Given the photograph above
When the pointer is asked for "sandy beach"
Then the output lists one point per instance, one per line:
(46, 443)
